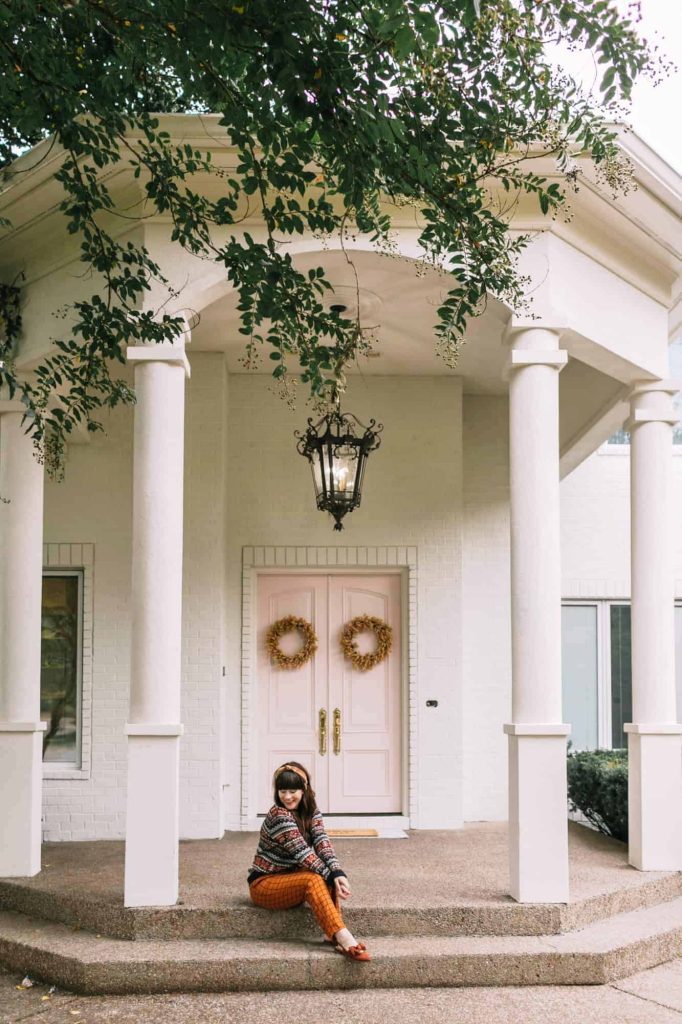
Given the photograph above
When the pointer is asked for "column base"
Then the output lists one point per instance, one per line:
(21, 796)
(152, 828)
(655, 797)
(538, 816)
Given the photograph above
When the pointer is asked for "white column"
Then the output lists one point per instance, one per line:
(21, 580)
(538, 830)
(654, 740)
(154, 729)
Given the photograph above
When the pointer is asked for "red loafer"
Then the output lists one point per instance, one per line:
(358, 952)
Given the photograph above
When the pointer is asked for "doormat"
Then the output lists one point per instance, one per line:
(367, 833)
(353, 833)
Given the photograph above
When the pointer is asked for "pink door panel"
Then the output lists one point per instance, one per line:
(289, 699)
(364, 776)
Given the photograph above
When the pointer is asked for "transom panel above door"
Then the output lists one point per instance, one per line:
(342, 723)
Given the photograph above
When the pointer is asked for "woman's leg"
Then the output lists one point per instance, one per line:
(281, 892)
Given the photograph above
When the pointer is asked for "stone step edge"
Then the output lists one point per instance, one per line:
(72, 960)
(243, 921)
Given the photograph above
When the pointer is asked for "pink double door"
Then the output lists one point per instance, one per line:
(343, 724)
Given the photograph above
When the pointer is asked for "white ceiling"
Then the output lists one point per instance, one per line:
(399, 305)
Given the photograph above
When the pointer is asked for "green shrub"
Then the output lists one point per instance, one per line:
(598, 787)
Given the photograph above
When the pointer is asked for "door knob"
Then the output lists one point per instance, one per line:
(323, 731)
(337, 731)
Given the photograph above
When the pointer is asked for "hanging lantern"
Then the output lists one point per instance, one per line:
(337, 448)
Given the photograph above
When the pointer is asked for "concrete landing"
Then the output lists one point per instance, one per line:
(434, 883)
(432, 908)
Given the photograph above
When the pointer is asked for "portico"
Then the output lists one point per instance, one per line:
(463, 499)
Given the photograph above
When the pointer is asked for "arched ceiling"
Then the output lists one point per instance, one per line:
(399, 302)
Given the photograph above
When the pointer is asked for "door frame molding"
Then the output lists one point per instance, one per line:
(325, 560)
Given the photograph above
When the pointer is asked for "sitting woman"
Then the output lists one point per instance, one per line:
(295, 862)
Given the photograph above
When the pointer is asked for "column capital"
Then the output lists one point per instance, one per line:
(536, 729)
(164, 352)
(147, 729)
(653, 402)
(520, 358)
(532, 345)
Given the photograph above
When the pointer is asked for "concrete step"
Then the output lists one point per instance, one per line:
(237, 918)
(95, 964)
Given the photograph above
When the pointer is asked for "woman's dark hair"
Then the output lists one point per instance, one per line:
(291, 779)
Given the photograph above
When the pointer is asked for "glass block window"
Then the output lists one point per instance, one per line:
(61, 660)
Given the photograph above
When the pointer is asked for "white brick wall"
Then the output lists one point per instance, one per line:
(412, 496)
(595, 526)
(486, 644)
(94, 504)
(245, 485)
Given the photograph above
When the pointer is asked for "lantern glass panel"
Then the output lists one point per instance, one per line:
(316, 466)
(344, 472)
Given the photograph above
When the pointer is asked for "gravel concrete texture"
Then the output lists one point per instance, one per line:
(437, 883)
(95, 964)
(418, 1006)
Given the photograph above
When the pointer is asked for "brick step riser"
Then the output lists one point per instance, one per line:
(450, 971)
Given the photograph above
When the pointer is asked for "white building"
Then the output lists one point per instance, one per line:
(192, 723)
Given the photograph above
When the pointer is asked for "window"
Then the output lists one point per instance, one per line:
(597, 673)
(675, 362)
(61, 667)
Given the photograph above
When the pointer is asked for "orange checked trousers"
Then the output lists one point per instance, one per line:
(290, 889)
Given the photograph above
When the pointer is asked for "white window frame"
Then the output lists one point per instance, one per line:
(604, 605)
(76, 560)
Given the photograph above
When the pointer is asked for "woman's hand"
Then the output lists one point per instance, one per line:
(342, 887)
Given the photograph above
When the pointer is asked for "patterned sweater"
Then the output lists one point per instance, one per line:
(281, 847)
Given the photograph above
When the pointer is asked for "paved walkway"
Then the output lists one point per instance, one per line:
(652, 997)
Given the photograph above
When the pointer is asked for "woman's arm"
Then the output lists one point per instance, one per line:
(323, 847)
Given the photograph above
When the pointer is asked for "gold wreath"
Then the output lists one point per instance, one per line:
(287, 625)
(384, 637)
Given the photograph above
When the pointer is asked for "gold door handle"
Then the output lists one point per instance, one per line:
(337, 731)
(323, 731)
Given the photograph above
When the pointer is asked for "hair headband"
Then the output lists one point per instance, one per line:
(292, 768)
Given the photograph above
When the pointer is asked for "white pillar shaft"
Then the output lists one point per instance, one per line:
(21, 579)
(157, 542)
(535, 544)
(538, 834)
(21, 567)
(152, 826)
(653, 578)
(654, 743)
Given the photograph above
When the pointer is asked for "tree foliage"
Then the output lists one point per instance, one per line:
(340, 112)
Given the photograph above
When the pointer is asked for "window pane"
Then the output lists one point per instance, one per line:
(621, 673)
(59, 668)
(579, 674)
